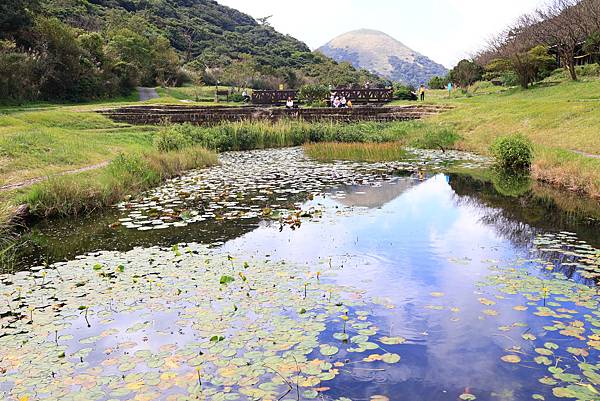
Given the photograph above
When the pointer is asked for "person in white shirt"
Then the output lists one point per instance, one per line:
(290, 103)
(343, 102)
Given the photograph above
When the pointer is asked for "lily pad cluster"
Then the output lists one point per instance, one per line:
(265, 184)
(566, 343)
(179, 324)
(565, 250)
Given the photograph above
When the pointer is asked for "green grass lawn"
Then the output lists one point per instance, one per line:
(204, 95)
(49, 141)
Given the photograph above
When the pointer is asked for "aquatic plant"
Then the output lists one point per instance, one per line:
(371, 152)
(247, 135)
(253, 352)
(10, 241)
(434, 137)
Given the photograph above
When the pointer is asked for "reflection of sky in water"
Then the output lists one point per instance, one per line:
(404, 249)
(400, 241)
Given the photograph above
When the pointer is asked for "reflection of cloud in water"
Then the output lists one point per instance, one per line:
(373, 196)
(418, 242)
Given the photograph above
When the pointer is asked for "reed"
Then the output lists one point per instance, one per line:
(369, 152)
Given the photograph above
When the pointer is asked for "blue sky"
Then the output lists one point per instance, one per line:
(444, 30)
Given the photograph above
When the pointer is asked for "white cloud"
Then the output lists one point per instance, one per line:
(444, 30)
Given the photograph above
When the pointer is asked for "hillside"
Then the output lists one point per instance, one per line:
(198, 29)
(206, 34)
(380, 53)
(79, 50)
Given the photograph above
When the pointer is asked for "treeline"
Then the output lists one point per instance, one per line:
(42, 58)
(564, 33)
(563, 30)
(76, 50)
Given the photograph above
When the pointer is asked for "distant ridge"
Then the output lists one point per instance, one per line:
(380, 53)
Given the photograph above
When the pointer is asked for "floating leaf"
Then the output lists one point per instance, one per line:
(511, 358)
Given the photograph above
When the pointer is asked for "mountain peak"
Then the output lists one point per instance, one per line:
(380, 53)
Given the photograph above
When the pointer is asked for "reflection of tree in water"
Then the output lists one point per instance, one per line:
(541, 214)
(520, 220)
(505, 225)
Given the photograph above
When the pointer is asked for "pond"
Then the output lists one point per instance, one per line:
(274, 277)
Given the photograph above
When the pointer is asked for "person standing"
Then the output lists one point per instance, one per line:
(422, 92)
(449, 89)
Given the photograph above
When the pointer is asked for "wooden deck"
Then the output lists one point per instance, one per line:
(154, 115)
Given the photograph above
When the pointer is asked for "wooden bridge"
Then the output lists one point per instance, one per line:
(271, 97)
(207, 115)
(357, 96)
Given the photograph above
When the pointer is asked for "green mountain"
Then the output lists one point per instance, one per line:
(383, 55)
(89, 49)
(208, 35)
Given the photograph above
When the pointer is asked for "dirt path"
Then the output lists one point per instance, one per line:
(23, 184)
(579, 152)
(147, 93)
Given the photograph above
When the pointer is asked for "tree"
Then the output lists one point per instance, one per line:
(314, 93)
(438, 82)
(592, 45)
(466, 73)
(16, 16)
(563, 24)
(527, 65)
(165, 63)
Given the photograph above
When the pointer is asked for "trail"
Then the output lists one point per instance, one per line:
(27, 183)
(593, 156)
(147, 93)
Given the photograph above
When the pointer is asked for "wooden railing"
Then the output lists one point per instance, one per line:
(272, 96)
(357, 96)
(365, 95)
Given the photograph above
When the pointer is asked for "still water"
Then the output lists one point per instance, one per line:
(273, 277)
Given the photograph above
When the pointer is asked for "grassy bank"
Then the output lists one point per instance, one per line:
(561, 117)
(125, 175)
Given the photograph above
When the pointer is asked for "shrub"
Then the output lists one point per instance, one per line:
(236, 97)
(438, 82)
(175, 137)
(402, 92)
(514, 152)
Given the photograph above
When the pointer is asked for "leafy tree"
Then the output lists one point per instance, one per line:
(314, 93)
(466, 73)
(592, 45)
(529, 66)
(16, 16)
(404, 92)
(18, 82)
(438, 82)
